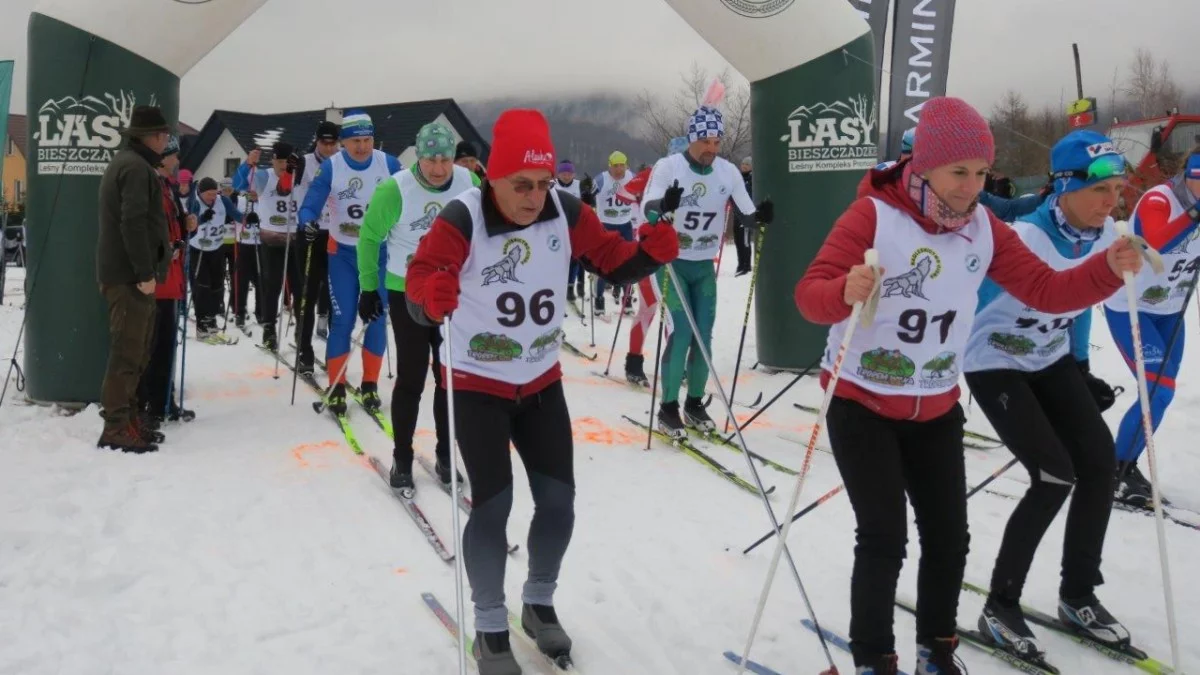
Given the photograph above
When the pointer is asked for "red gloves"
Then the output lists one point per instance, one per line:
(441, 294)
(659, 241)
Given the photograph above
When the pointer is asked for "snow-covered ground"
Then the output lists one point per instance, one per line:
(256, 542)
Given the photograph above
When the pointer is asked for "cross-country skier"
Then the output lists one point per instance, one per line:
(496, 259)
(277, 231)
(347, 180)
(707, 182)
(401, 211)
(1167, 216)
(895, 423)
(565, 175)
(315, 251)
(215, 213)
(1028, 372)
(633, 191)
(246, 255)
(614, 214)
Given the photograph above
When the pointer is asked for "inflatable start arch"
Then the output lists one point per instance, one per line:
(815, 131)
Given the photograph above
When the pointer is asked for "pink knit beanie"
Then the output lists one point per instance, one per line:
(949, 131)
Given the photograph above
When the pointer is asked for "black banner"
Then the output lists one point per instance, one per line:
(920, 63)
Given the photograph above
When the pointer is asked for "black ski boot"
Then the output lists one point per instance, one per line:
(598, 305)
(370, 396)
(697, 417)
(443, 472)
(493, 654)
(177, 414)
(1132, 489)
(337, 399)
(937, 657)
(669, 422)
(570, 293)
(634, 372)
(401, 480)
(1089, 618)
(304, 364)
(1003, 622)
(322, 326)
(270, 340)
(540, 622)
(579, 288)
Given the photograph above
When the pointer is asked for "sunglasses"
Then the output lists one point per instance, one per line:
(1108, 166)
(524, 187)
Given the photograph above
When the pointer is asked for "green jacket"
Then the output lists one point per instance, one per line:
(133, 244)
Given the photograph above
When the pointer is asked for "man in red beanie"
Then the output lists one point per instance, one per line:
(500, 253)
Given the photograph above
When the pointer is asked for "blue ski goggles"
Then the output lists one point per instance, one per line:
(1103, 168)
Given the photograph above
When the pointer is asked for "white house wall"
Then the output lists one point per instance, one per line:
(213, 165)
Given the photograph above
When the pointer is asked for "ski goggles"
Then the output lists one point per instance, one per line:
(1103, 168)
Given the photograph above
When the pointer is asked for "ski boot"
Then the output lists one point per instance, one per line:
(323, 327)
(402, 481)
(1003, 622)
(304, 364)
(125, 439)
(669, 422)
(337, 399)
(570, 293)
(1087, 617)
(177, 414)
(697, 417)
(627, 305)
(443, 472)
(270, 340)
(888, 664)
(579, 287)
(1133, 490)
(147, 428)
(240, 322)
(540, 622)
(370, 396)
(937, 657)
(634, 372)
(493, 654)
(598, 306)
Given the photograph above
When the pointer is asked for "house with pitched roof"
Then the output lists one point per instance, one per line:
(228, 136)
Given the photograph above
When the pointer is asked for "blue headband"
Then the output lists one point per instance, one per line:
(1192, 170)
(356, 124)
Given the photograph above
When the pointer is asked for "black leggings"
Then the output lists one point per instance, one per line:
(414, 343)
(247, 265)
(1050, 422)
(208, 282)
(152, 388)
(540, 428)
(273, 277)
(881, 460)
(316, 284)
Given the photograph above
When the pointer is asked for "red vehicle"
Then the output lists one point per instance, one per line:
(1154, 147)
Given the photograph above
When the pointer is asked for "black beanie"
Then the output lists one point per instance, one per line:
(282, 150)
(328, 131)
(206, 184)
(465, 149)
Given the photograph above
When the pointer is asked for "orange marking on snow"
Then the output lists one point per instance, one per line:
(300, 452)
(401, 570)
(592, 430)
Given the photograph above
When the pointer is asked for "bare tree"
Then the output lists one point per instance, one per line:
(1150, 84)
(865, 112)
(664, 118)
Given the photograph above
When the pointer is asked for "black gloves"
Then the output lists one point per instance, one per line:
(207, 215)
(252, 219)
(765, 211)
(671, 198)
(311, 229)
(370, 306)
(1104, 395)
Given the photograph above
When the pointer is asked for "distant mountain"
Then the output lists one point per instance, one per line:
(586, 129)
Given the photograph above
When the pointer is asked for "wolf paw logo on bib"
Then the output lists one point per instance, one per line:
(516, 252)
(832, 136)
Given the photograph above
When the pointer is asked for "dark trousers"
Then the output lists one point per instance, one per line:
(1050, 422)
(741, 240)
(152, 391)
(315, 255)
(208, 283)
(414, 342)
(273, 271)
(881, 461)
(130, 329)
(247, 273)
(540, 428)
(626, 232)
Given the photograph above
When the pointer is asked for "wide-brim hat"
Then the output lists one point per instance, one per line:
(146, 119)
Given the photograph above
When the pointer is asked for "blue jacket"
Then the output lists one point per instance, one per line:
(318, 191)
(232, 215)
(1010, 210)
(1043, 217)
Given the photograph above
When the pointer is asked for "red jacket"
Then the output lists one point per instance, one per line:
(172, 288)
(448, 242)
(819, 294)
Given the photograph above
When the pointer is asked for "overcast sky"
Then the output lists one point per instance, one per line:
(389, 50)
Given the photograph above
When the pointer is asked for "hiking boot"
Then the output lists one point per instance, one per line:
(144, 424)
(125, 439)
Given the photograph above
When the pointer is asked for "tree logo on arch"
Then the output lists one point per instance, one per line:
(757, 9)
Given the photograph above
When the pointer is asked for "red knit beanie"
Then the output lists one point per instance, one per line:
(520, 140)
(949, 131)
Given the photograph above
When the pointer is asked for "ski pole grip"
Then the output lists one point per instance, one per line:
(1122, 228)
(867, 317)
(871, 257)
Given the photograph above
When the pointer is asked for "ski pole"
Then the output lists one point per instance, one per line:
(621, 315)
(387, 345)
(303, 307)
(320, 406)
(746, 318)
(458, 558)
(871, 259)
(699, 343)
(776, 397)
(662, 327)
(591, 304)
(1148, 429)
(283, 282)
(183, 319)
